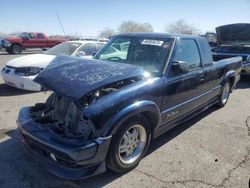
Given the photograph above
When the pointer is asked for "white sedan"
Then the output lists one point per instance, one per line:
(20, 72)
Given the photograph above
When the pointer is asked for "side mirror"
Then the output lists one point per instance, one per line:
(93, 54)
(80, 54)
(181, 66)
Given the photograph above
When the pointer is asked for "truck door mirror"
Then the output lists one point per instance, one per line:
(180, 67)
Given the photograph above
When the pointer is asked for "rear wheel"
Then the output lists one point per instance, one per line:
(223, 98)
(16, 49)
(129, 145)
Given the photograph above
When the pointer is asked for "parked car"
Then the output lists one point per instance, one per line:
(212, 39)
(20, 41)
(234, 40)
(105, 112)
(20, 72)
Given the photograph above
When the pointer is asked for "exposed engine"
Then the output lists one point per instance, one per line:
(61, 115)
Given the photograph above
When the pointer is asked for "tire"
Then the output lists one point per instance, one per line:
(16, 49)
(119, 161)
(223, 97)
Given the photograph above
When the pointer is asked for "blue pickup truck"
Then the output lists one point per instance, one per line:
(105, 111)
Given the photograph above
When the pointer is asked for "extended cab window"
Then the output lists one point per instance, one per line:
(187, 51)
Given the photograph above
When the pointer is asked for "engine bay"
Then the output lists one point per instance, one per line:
(61, 115)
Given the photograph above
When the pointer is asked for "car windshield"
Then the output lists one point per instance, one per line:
(149, 53)
(16, 34)
(65, 48)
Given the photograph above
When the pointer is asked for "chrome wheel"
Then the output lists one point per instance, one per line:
(132, 144)
(225, 93)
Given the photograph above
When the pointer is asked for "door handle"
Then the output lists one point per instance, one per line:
(202, 75)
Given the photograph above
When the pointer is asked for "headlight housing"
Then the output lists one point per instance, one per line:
(28, 71)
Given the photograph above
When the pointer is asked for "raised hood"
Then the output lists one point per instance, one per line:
(233, 34)
(74, 77)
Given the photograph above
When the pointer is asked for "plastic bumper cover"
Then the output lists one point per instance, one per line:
(67, 161)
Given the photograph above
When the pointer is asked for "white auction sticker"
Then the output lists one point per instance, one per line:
(152, 42)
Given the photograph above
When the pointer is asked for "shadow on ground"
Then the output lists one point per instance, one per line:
(6, 90)
(4, 53)
(244, 82)
(19, 170)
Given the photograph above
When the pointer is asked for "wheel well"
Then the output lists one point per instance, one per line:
(151, 118)
(231, 81)
(17, 45)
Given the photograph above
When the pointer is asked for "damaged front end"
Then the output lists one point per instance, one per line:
(57, 132)
(58, 136)
(61, 116)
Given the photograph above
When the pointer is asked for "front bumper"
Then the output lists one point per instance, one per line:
(68, 160)
(22, 82)
(5, 44)
(245, 69)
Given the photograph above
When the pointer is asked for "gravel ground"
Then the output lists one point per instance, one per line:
(211, 150)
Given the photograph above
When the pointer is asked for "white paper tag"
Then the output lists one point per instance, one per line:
(152, 42)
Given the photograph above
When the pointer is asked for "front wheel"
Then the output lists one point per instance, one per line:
(223, 98)
(129, 145)
(16, 49)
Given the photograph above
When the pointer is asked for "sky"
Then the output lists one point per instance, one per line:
(89, 18)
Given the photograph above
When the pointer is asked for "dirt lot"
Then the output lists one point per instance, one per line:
(212, 150)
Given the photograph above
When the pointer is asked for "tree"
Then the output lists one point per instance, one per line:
(181, 27)
(132, 26)
(106, 32)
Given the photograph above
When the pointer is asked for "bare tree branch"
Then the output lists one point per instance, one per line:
(132, 26)
(106, 32)
(182, 27)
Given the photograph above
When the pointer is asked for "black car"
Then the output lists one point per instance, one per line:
(105, 111)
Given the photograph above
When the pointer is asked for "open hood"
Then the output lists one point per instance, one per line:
(233, 34)
(74, 77)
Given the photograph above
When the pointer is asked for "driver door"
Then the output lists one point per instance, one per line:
(182, 91)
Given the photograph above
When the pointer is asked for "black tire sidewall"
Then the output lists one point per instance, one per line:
(113, 161)
(16, 46)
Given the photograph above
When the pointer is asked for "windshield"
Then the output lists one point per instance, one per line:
(15, 34)
(65, 48)
(149, 53)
